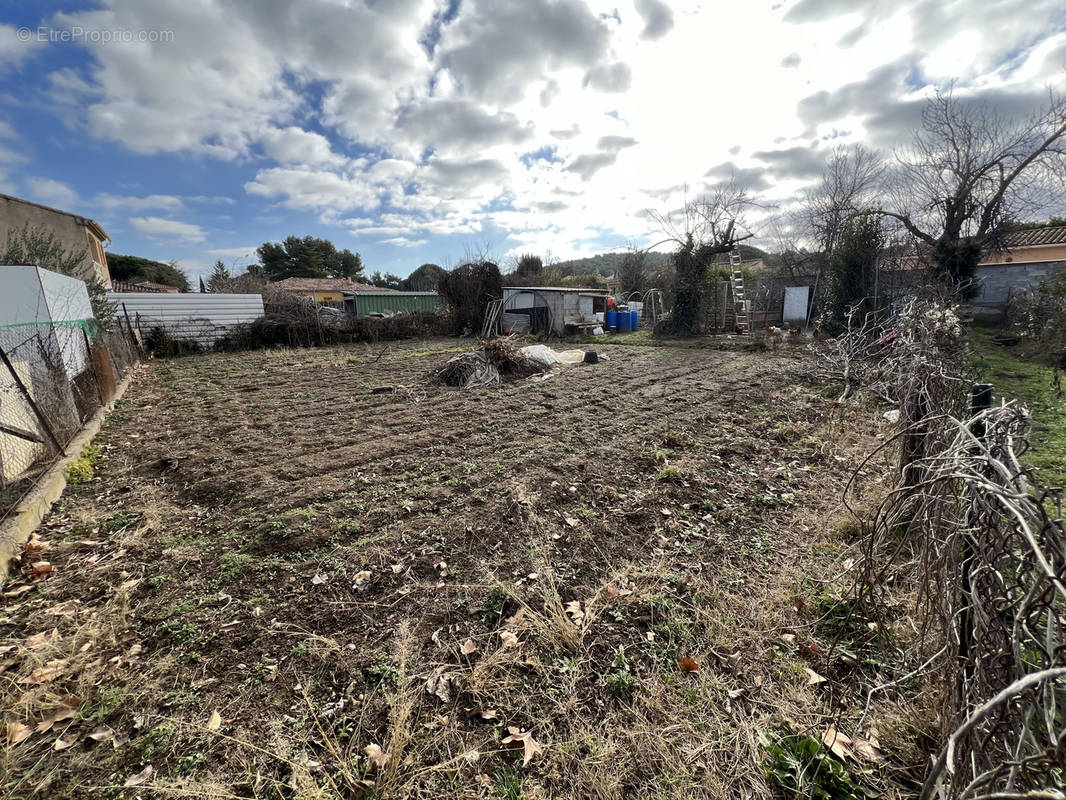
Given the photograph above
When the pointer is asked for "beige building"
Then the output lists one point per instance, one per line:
(1033, 246)
(74, 233)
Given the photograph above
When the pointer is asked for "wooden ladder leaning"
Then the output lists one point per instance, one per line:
(740, 299)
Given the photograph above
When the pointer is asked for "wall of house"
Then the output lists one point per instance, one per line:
(71, 234)
(1027, 255)
(997, 281)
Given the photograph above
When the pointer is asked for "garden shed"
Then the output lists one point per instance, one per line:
(551, 308)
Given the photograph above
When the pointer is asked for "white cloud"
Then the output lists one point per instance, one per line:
(51, 192)
(234, 252)
(157, 227)
(294, 145)
(162, 202)
(527, 116)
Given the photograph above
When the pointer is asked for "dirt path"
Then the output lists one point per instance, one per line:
(459, 578)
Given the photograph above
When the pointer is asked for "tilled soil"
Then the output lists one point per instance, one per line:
(276, 571)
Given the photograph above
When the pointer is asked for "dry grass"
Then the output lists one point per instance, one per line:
(475, 514)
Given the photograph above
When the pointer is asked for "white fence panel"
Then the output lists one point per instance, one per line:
(202, 317)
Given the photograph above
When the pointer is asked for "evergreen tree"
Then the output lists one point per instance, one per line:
(852, 265)
(219, 280)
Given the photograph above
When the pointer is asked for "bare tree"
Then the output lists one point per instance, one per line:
(851, 177)
(969, 172)
(710, 224)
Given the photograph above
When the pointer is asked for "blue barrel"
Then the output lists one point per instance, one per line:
(625, 322)
(634, 319)
(612, 320)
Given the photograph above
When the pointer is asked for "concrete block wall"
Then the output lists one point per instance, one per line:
(997, 281)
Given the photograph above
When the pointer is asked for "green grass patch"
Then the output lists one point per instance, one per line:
(1034, 384)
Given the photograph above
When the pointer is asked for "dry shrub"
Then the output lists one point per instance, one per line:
(467, 290)
(291, 321)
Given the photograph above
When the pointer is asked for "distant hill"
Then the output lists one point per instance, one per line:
(608, 263)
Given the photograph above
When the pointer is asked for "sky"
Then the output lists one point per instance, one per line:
(416, 131)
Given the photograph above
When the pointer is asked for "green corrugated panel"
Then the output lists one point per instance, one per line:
(396, 302)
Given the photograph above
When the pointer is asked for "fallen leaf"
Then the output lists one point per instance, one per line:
(529, 747)
(666, 512)
(469, 646)
(788, 638)
(573, 523)
(41, 639)
(573, 608)
(440, 684)
(63, 744)
(689, 664)
(214, 722)
(509, 639)
(20, 590)
(67, 609)
(17, 732)
(40, 569)
(813, 678)
(140, 778)
(361, 579)
(47, 673)
(376, 755)
(319, 579)
(64, 713)
(102, 734)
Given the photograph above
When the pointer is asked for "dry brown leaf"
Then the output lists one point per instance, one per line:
(102, 734)
(813, 678)
(469, 646)
(573, 523)
(214, 722)
(17, 732)
(67, 609)
(64, 713)
(844, 747)
(440, 684)
(40, 570)
(376, 755)
(689, 664)
(47, 673)
(20, 590)
(41, 639)
(530, 748)
(62, 744)
(509, 639)
(140, 778)
(573, 608)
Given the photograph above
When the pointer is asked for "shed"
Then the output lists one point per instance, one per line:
(386, 301)
(204, 318)
(551, 308)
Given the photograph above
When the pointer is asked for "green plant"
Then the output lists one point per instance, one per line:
(231, 565)
(801, 767)
(383, 670)
(81, 468)
(507, 784)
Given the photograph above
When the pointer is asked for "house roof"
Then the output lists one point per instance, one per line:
(91, 224)
(1052, 234)
(324, 285)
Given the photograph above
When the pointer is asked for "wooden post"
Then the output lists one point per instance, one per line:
(92, 363)
(31, 401)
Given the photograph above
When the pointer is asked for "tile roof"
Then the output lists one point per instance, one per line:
(1053, 234)
(324, 285)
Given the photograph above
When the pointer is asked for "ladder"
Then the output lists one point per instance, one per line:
(740, 299)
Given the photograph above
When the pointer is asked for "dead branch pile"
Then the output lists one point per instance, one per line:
(485, 365)
(990, 565)
(468, 369)
(505, 352)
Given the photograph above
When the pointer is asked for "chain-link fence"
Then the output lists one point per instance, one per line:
(53, 377)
